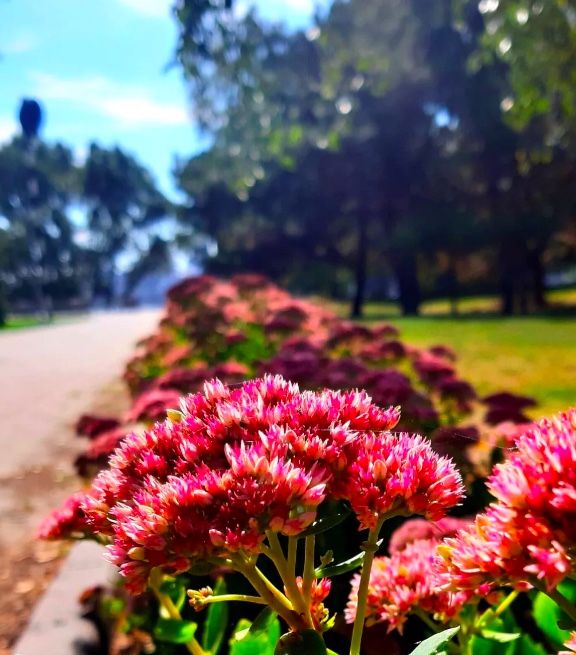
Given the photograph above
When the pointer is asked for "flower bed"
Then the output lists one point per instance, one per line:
(273, 493)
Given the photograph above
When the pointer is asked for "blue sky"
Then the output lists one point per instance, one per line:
(98, 68)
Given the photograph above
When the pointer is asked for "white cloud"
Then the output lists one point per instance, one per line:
(19, 44)
(152, 8)
(125, 104)
(80, 155)
(8, 129)
(301, 6)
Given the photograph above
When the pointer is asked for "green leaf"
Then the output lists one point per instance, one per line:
(490, 644)
(527, 646)
(324, 523)
(201, 568)
(216, 621)
(308, 642)
(176, 590)
(113, 607)
(433, 644)
(500, 637)
(547, 614)
(174, 631)
(342, 567)
(263, 621)
(262, 643)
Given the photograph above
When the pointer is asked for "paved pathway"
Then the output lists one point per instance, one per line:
(49, 375)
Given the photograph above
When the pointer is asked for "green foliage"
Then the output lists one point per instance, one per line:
(329, 517)
(262, 642)
(301, 643)
(549, 617)
(342, 567)
(435, 643)
(174, 631)
(216, 622)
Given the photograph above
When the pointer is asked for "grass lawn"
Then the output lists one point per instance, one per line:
(17, 322)
(20, 321)
(532, 355)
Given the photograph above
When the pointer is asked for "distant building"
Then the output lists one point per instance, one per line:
(151, 290)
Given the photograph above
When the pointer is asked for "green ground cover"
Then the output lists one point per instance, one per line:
(532, 355)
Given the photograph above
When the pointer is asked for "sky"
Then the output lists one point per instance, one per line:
(99, 70)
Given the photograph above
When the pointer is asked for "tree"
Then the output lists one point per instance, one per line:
(537, 40)
(122, 201)
(389, 97)
(40, 255)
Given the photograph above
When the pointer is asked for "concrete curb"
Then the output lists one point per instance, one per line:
(56, 626)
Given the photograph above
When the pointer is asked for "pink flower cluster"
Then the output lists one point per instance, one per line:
(249, 323)
(238, 462)
(207, 318)
(233, 330)
(529, 533)
(404, 583)
(570, 644)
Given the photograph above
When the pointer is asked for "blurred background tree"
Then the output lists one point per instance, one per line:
(383, 142)
(393, 149)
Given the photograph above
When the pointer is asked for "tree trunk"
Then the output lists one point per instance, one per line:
(506, 258)
(360, 270)
(536, 273)
(409, 286)
(3, 306)
(452, 285)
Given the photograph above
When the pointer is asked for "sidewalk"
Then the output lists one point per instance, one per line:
(48, 377)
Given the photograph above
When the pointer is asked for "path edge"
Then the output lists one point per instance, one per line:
(56, 626)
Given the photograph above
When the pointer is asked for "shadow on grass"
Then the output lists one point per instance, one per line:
(551, 312)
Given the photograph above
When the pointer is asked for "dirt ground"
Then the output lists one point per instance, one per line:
(48, 376)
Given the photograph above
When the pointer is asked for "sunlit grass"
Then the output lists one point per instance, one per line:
(18, 322)
(532, 355)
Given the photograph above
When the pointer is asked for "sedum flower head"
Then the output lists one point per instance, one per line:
(403, 583)
(531, 530)
(67, 522)
(236, 464)
(233, 464)
(400, 474)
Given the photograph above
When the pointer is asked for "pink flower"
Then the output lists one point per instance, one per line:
(531, 530)
(319, 593)
(68, 522)
(238, 462)
(418, 529)
(91, 426)
(432, 369)
(505, 406)
(570, 644)
(400, 474)
(403, 582)
(96, 455)
(152, 405)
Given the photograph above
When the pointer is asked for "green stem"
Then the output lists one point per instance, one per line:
(276, 554)
(492, 614)
(369, 547)
(426, 619)
(233, 597)
(308, 576)
(292, 553)
(274, 598)
(155, 582)
(563, 603)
